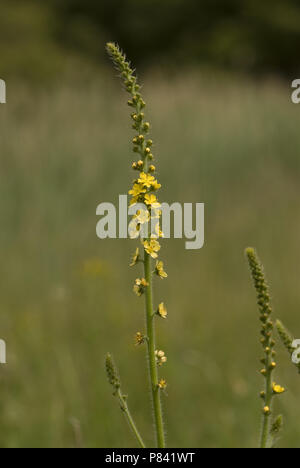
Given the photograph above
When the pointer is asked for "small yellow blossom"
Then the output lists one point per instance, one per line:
(137, 190)
(135, 258)
(267, 410)
(134, 230)
(162, 384)
(152, 168)
(277, 389)
(152, 247)
(142, 282)
(142, 216)
(134, 200)
(156, 207)
(155, 210)
(150, 199)
(140, 286)
(139, 339)
(159, 270)
(162, 311)
(158, 231)
(161, 358)
(155, 185)
(146, 179)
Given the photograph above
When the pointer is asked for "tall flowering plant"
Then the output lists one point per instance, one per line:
(146, 226)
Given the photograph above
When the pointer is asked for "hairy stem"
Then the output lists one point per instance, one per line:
(265, 434)
(151, 356)
(124, 408)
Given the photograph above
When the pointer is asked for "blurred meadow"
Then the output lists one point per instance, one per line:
(228, 139)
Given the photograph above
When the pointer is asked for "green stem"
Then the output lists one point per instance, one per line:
(151, 356)
(124, 408)
(265, 434)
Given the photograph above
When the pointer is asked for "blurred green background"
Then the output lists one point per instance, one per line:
(217, 80)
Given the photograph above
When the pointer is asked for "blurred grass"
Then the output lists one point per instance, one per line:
(65, 296)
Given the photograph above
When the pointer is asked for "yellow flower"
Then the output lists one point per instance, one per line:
(277, 389)
(135, 258)
(139, 339)
(150, 199)
(155, 185)
(158, 231)
(143, 216)
(152, 248)
(143, 282)
(161, 358)
(136, 190)
(159, 270)
(146, 179)
(155, 211)
(137, 290)
(267, 410)
(140, 286)
(134, 200)
(162, 384)
(162, 311)
(155, 207)
(134, 230)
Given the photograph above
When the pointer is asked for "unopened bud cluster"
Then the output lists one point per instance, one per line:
(267, 341)
(112, 373)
